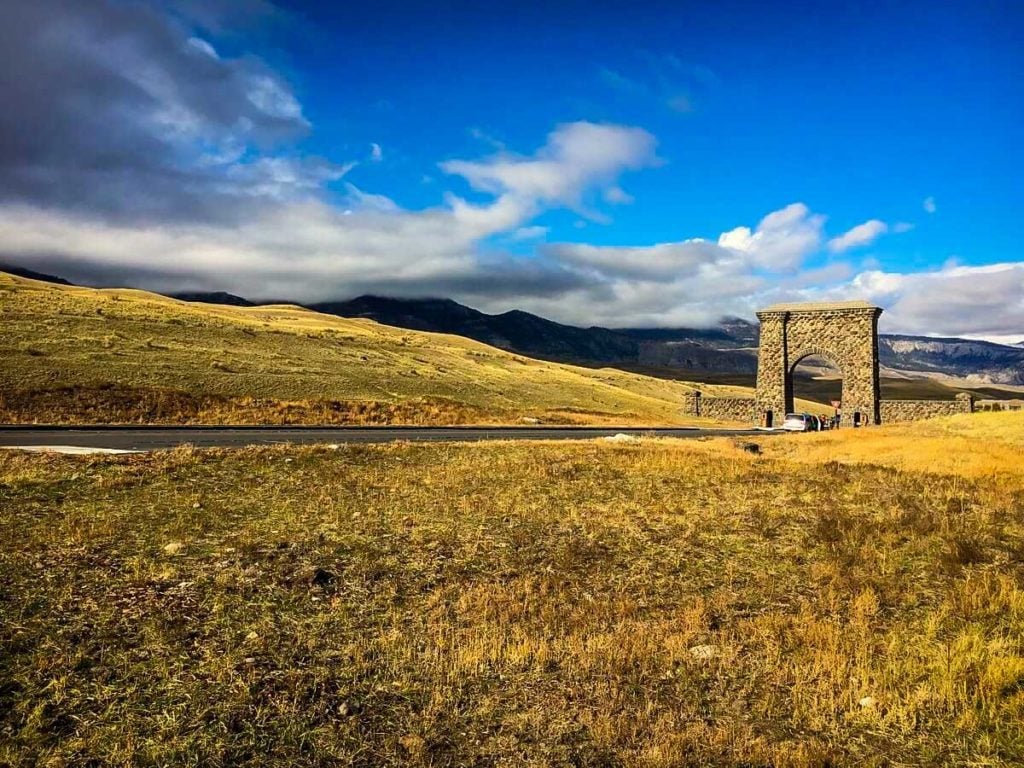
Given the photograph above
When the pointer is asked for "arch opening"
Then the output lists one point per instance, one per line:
(816, 387)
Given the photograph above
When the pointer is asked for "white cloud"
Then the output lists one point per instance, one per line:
(617, 196)
(651, 262)
(368, 201)
(376, 153)
(529, 233)
(781, 240)
(138, 117)
(484, 137)
(203, 47)
(902, 226)
(312, 251)
(273, 98)
(695, 281)
(986, 301)
(929, 204)
(860, 235)
(281, 178)
(298, 245)
(577, 157)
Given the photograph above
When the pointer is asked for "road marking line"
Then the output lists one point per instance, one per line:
(77, 450)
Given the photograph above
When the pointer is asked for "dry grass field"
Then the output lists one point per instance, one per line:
(853, 598)
(83, 355)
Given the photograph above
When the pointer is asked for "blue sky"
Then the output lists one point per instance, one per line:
(657, 165)
(863, 113)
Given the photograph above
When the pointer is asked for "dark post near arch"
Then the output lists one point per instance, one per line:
(844, 332)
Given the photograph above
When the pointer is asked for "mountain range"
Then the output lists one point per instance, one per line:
(728, 348)
(727, 351)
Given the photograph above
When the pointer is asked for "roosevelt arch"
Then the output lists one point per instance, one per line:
(845, 333)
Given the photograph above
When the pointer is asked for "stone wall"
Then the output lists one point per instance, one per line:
(722, 408)
(912, 410)
(745, 409)
(999, 405)
(729, 408)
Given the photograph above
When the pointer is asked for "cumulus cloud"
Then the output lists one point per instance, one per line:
(654, 262)
(694, 281)
(115, 109)
(376, 153)
(697, 281)
(929, 204)
(306, 252)
(860, 235)
(978, 300)
(781, 240)
(576, 158)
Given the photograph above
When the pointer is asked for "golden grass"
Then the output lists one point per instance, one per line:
(233, 365)
(660, 603)
(974, 445)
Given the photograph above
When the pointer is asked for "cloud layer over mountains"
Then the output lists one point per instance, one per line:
(133, 151)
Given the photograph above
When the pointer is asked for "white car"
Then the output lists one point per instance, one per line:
(798, 422)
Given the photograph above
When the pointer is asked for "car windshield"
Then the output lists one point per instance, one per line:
(797, 416)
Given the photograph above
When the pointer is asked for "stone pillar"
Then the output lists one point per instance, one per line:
(774, 391)
(691, 403)
(965, 402)
(861, 385)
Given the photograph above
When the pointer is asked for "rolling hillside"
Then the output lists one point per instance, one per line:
(912, 366)
(87, 355)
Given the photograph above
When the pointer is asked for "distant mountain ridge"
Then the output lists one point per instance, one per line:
(695, 349)
(515, 330)
(31, 274)
(731, 347)
(984, 360)
(728, 348)
(213, 297)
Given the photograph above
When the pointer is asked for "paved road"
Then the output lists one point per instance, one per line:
(156, 437)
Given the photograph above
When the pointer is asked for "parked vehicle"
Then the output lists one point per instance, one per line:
(798, 422)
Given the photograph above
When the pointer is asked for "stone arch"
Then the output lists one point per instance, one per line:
(802, 354)
(846, 333)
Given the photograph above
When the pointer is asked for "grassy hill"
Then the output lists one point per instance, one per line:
(847, 598)
(75, 354)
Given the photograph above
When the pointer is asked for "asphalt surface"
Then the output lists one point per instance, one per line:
(159, 437)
